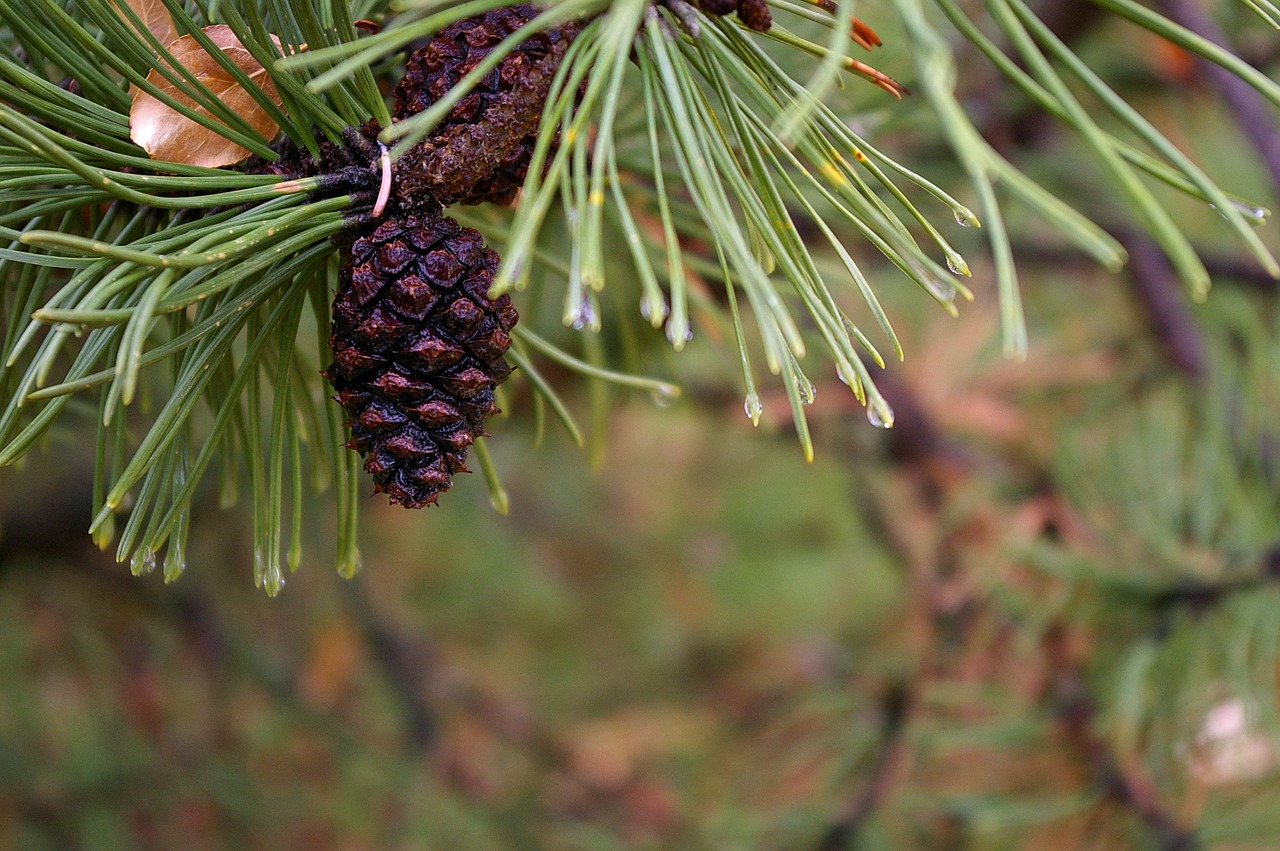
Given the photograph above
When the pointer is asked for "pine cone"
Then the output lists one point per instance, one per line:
(754, 14)
(418, 349)
(481, 150)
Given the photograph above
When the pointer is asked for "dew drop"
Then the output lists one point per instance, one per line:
(880, 415)
(648, 311)
(853, 382)
(806, 390)
(664, 396)
(584, 316)
(349, 567)
(175, 564)
(679, 334)
(957, 265)
(1256, 215)
(965, 218)
(142, 563)
(273, 582)
(754, 407)
(1259, 215)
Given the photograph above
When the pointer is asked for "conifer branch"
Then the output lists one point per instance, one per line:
(667, 128)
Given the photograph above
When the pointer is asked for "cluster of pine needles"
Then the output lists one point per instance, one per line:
(694, 165)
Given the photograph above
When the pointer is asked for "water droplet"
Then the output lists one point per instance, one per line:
(853, 382)
(142, 563)
(957, 264)
(679, 334)
(1258, 214)
(880, 415)
(664, 396)
(273, 582)
(349, 567)
(175, 563)
(754, 407)
(584, 316)
(648, 311)
(965, 217)
(806, 390)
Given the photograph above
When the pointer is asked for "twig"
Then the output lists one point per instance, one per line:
(1123, 782)
(899, 707)
(1157, 288)
(403, 660)
(932, 465)
(687, 15)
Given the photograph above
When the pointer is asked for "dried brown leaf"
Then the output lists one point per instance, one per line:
(166, 134)
(154, 17)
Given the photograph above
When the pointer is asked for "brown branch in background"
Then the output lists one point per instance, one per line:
(1252, 113)
(1157, 288)
(402, 659)
(1029, 124)
(934, 469)
(1122, 781)
(1221, 267)
(931, 466)
(891, 758)
(917, 440)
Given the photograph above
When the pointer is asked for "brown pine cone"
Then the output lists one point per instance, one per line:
(481, 151)
(418, 349)
(754, 14)
(717, 7)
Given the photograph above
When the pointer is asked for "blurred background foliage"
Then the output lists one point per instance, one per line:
(1042, 612)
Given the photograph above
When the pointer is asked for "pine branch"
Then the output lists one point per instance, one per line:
(665, 128)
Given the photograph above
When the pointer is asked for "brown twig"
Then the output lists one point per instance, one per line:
(931, 465)
(1166, 307)
(1122, 781)
(405, 663)
(891, 756)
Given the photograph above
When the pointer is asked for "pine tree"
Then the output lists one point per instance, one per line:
(332, 250)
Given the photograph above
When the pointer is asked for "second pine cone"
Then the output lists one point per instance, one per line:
(481, 151)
